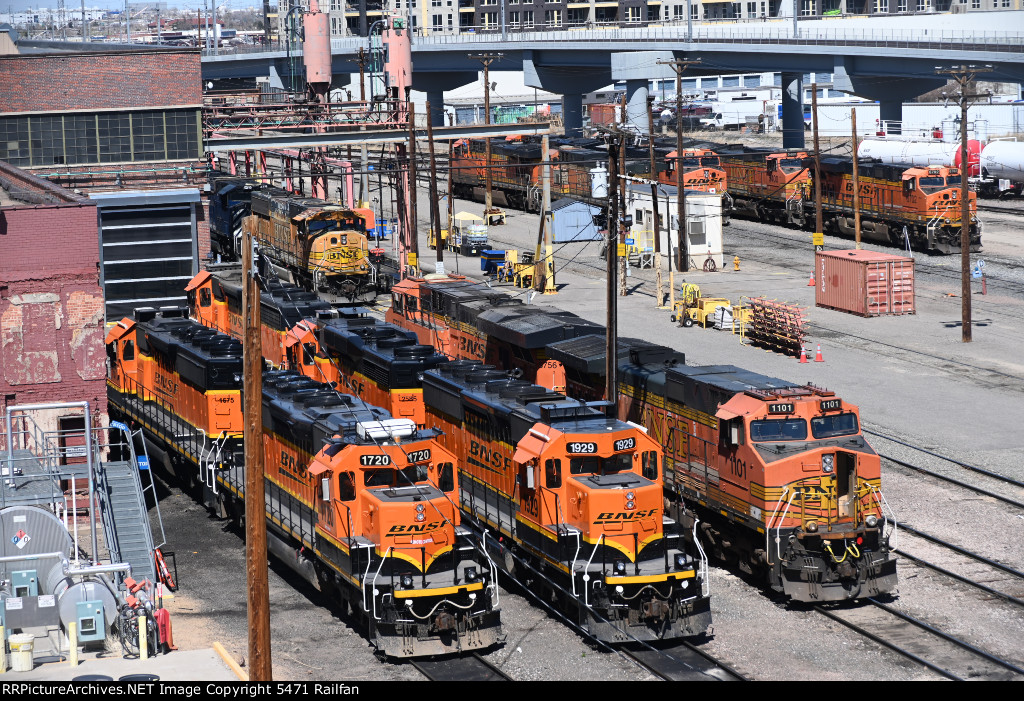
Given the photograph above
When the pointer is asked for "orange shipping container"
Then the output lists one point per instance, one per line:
(604, 115)
(865, 283)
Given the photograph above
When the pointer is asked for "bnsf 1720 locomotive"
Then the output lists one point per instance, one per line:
(361, 504)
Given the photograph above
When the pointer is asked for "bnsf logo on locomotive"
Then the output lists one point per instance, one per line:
(414, 528)
(485, 455)
(623, 516)
(166, 385)
(343, 254)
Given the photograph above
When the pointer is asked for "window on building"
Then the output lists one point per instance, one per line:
(975, 4)
(633, 14)
(679, 12)
(490, 20)
(528, 19)
(437, 22)
(576, 18)
(751, 10)
(553, 18)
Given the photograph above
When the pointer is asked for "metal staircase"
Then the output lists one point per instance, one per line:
(125, 521)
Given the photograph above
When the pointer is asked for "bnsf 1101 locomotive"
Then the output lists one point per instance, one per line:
(358, 502)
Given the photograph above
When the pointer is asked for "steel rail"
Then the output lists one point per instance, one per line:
(958, 549)
(961, 578)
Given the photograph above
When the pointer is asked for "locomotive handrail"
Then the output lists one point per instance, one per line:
(880, 500)
(705, 584)
(493, 586)
(586, 572)
(789, 502)
(373, 584)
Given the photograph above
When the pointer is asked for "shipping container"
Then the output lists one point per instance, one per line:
(865, 283)
(604, 115)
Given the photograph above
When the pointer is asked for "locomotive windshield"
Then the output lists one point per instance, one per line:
(932, 184)
(834, 425)
(778, 430)
(791, 165)
(690, 163)
(386, 477)
(710, 161)
(598, 465)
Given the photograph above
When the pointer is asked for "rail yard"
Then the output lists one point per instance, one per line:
(351, 395)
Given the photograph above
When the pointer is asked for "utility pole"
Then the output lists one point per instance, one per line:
(659, 296)
(612, 312)
(451, 194)
(623, 260)
(361, 60)
(856, 189)
(683, 264)
(487, 60)
(819, 234)
(964, 75)
(435, 214)
(543, 256)
(255, 508)
(413, 231)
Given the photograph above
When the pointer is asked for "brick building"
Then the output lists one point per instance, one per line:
(51, 304)
(125, 124)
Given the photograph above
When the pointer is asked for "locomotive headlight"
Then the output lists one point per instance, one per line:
(471, 574)
(630, 496)
(407, 581)
(871, 521)
(828, 462)
(812, 526)
(419, 508)
(630, 505)
(420, 517)
(620, 567)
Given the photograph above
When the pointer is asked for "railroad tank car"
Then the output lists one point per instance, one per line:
(780, 475)
(682, 414)
(577, 498)
(1002, 169)
(925, 201)
(358, 502)
(921, 153)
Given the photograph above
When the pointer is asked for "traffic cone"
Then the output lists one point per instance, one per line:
(817, 356)
(810, 283)
(803, 354)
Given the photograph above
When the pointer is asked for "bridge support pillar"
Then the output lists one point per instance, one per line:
(638, 68)
(890, 112)
(571, 82)
(890, 91)
(792, 110)
(435, 84)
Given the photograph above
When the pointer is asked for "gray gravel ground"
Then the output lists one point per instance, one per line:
(911, 377)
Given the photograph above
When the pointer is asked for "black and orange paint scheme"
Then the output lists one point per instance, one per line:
(924, 200)
(358, 502)
(768, 185)
(363, 356)
(576, 497)
(702, 170)
(778, 475)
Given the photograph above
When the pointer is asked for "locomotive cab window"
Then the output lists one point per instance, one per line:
(791, 165)
(205, 298)
(932, 184)
(598, 465)
(128, 351)
(446, 477)
(649, 465)
(690, 162)
(778, 430)
(710, 161)
(731, 433)
(834, 425)
(553, 473)
(346, 486)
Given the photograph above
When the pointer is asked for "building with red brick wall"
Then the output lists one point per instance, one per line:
(51, 304)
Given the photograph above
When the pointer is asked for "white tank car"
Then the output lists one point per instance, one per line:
(1002, 164)
(920, 153)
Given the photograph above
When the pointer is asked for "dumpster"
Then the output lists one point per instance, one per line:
(491, 260)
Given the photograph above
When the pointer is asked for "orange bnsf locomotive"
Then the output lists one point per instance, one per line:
(576, 500)
(779, 476)
(923, 200)
(359, 503)
(702, 170)
(375, 361)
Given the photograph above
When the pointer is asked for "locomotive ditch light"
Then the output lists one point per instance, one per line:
(406, 581)
(620, 567)
(828, 462)
(680, 561)
(471, 574)
(871, 521)
(812, 527)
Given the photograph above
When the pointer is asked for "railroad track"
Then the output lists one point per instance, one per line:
(923, 643)
(473, 668)
(1009, 208)
(683, 662)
